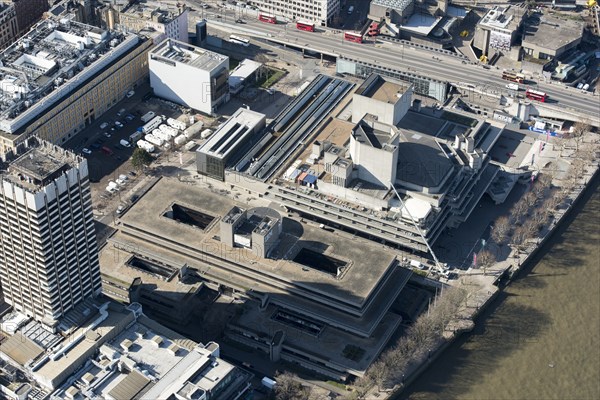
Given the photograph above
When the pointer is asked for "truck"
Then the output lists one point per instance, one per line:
(193, 129)
(142, 144)
(154, 140)
(148, 116)
(134, 137)
(176, 124)
(268, 383)
(152, 124)
(181, 139)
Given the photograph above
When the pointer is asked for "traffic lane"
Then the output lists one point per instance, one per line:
(411, 57)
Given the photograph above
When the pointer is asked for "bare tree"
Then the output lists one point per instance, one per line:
(500, 230)
(486, 259)
(578, 133)
(519, 237)
(518, 211)
(290, 388)
(530, 198)
(379, 372)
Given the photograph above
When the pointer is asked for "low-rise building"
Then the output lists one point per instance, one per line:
(189, 75)
(547, 37)
(171, 21)
(62, 76)
(244, 74)
(116, 352)
(221, 149)
(324, 291)
(499, 28)
(322, 12)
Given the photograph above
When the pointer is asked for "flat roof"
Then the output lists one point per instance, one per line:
(21, 349)
(380, 88)
(244, 70)
(422, 24)
(49, 62)
(399, 5)
(552, 32)
(41, 163)
(368, 262)
(503, 17)
(241, 124)
(183, 53)
(421, 161)
(153, 11)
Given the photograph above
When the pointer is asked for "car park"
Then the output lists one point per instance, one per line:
(121, 112)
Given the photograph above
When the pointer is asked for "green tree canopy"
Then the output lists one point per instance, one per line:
(140, 159)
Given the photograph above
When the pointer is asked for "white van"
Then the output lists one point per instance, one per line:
(124, 143)
(350, 10)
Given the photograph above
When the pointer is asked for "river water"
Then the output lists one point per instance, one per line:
(540, 339)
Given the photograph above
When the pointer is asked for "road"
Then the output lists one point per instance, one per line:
(406, 58)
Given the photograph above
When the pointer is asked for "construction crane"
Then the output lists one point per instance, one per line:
(439, 266)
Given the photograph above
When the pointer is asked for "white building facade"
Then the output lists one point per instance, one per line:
(48, 252)
(189, 75)
(322, 12)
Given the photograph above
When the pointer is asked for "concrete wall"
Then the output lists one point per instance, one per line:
(184, 84)
(352, 195)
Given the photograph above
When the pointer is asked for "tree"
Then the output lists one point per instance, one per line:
(518, 211)
(578, 133)
(288, 387)
(500, 230)
(486, 259)
(140, 159)
(519, 237)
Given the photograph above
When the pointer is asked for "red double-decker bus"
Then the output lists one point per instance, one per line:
(373, 29)
(536, 95)
(271, 19)
(353, 37)
(305, 26)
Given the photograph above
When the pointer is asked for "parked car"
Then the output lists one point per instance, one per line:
(104, 125)
(130, 93)
(96, 145)
(107, 134)
(85, 150)
(118, 124)
(120, 209)
(129, 117)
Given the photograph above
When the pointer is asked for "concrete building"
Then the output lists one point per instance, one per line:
(244, 74)
(548, 37)
(395, 11)
(257, 229)
(171, 21)
(61, 76)
(322, 12)
(324, 291)
(118, 353)
(29, 12)
(221, 149)
(439, 165)
(9, 29)
(189, 75)
(48, 255)
(497, 31)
